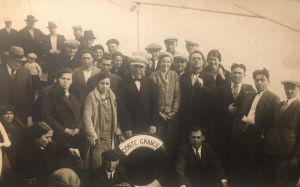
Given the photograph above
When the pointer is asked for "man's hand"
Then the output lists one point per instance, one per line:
(164, 116)
(75, 131)
(68, 132)
(171, 115)
(128, 134)
(224, 183)
(200, 81)
(232, 109)
(74, 152)
(247, 120)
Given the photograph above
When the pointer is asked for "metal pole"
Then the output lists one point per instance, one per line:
(30, 7)
(138, 25)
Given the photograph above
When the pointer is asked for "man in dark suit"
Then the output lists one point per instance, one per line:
(61, 110)
(253, 121)
(110, 174)
(194, 105)
(282, 146)
(154, 50)
(8, 37)
(197, 164)
(53, 45)
(16, 84)
(105, 67)
(230, 96)
(137, 100)
(31, 38)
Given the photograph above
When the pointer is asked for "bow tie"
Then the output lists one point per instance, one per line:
(137, 79)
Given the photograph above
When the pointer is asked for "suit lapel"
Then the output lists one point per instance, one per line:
(68, 102)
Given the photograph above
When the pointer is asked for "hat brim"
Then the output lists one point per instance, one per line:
(24, 59)
(291, 82)
(31, 20)
(138, 64)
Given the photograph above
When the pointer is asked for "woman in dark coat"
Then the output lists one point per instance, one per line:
(39, 156)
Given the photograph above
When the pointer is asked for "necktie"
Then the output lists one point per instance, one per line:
(13, 74)
(198, 156)
(284, 106)
(153, 66)
(235, 91)
(110, 177)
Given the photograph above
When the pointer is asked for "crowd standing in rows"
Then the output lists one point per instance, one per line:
(84, 101)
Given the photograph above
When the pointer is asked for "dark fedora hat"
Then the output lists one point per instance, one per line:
(30, 18)
(51, 24)
(17, 53)
(88, 35)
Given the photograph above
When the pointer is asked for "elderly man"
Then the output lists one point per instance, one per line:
(16, 84)
(253, 121)
(171, 45)
(137, 100)
(154, 50)
(8, 37)
(191, 46)
(31, 38)
(282, 146)
(197, 164)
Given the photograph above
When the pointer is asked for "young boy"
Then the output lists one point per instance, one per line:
(35, 70)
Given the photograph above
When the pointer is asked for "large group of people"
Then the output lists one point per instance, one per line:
(66, 105)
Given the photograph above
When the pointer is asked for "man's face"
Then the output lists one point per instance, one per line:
(261, 82)
(111, 164)
(112, 48)
(137, 70)
(213, 63)
(71, 50)
(165, 63)
(179, 65)
(89, 43)
(117, 62)
(196, 138)
(190, 48)
(77, 33)
(30, 24)
(65, 81)
(52, 31)
(8, 116)
(171, 46)
(154, 53)
(105, 65)
(87, 60)
(13, 63)
(8, 24)
(196, 63)
(99, 54)
(291, 90)
(237, 75)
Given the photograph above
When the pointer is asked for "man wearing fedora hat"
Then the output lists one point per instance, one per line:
(8, 37)
(88, 40)
(16, 83)
(154, 50)
(53, 45)
(31, 38)
(282, 147)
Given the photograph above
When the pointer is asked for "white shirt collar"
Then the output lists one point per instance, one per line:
(9, 69)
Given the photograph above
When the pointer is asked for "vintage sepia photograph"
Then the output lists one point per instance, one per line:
(149, 93)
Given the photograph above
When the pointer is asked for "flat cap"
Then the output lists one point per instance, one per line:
(51, 24)
(180, 57)
(77, 27)
(153, 46)
(171, 38)
(72, 42)
(17, 53)
(7, 19)
(6, 108)
(138, 60)
(296, 83)
(111, 154)
(190, 42)
(65, 177)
